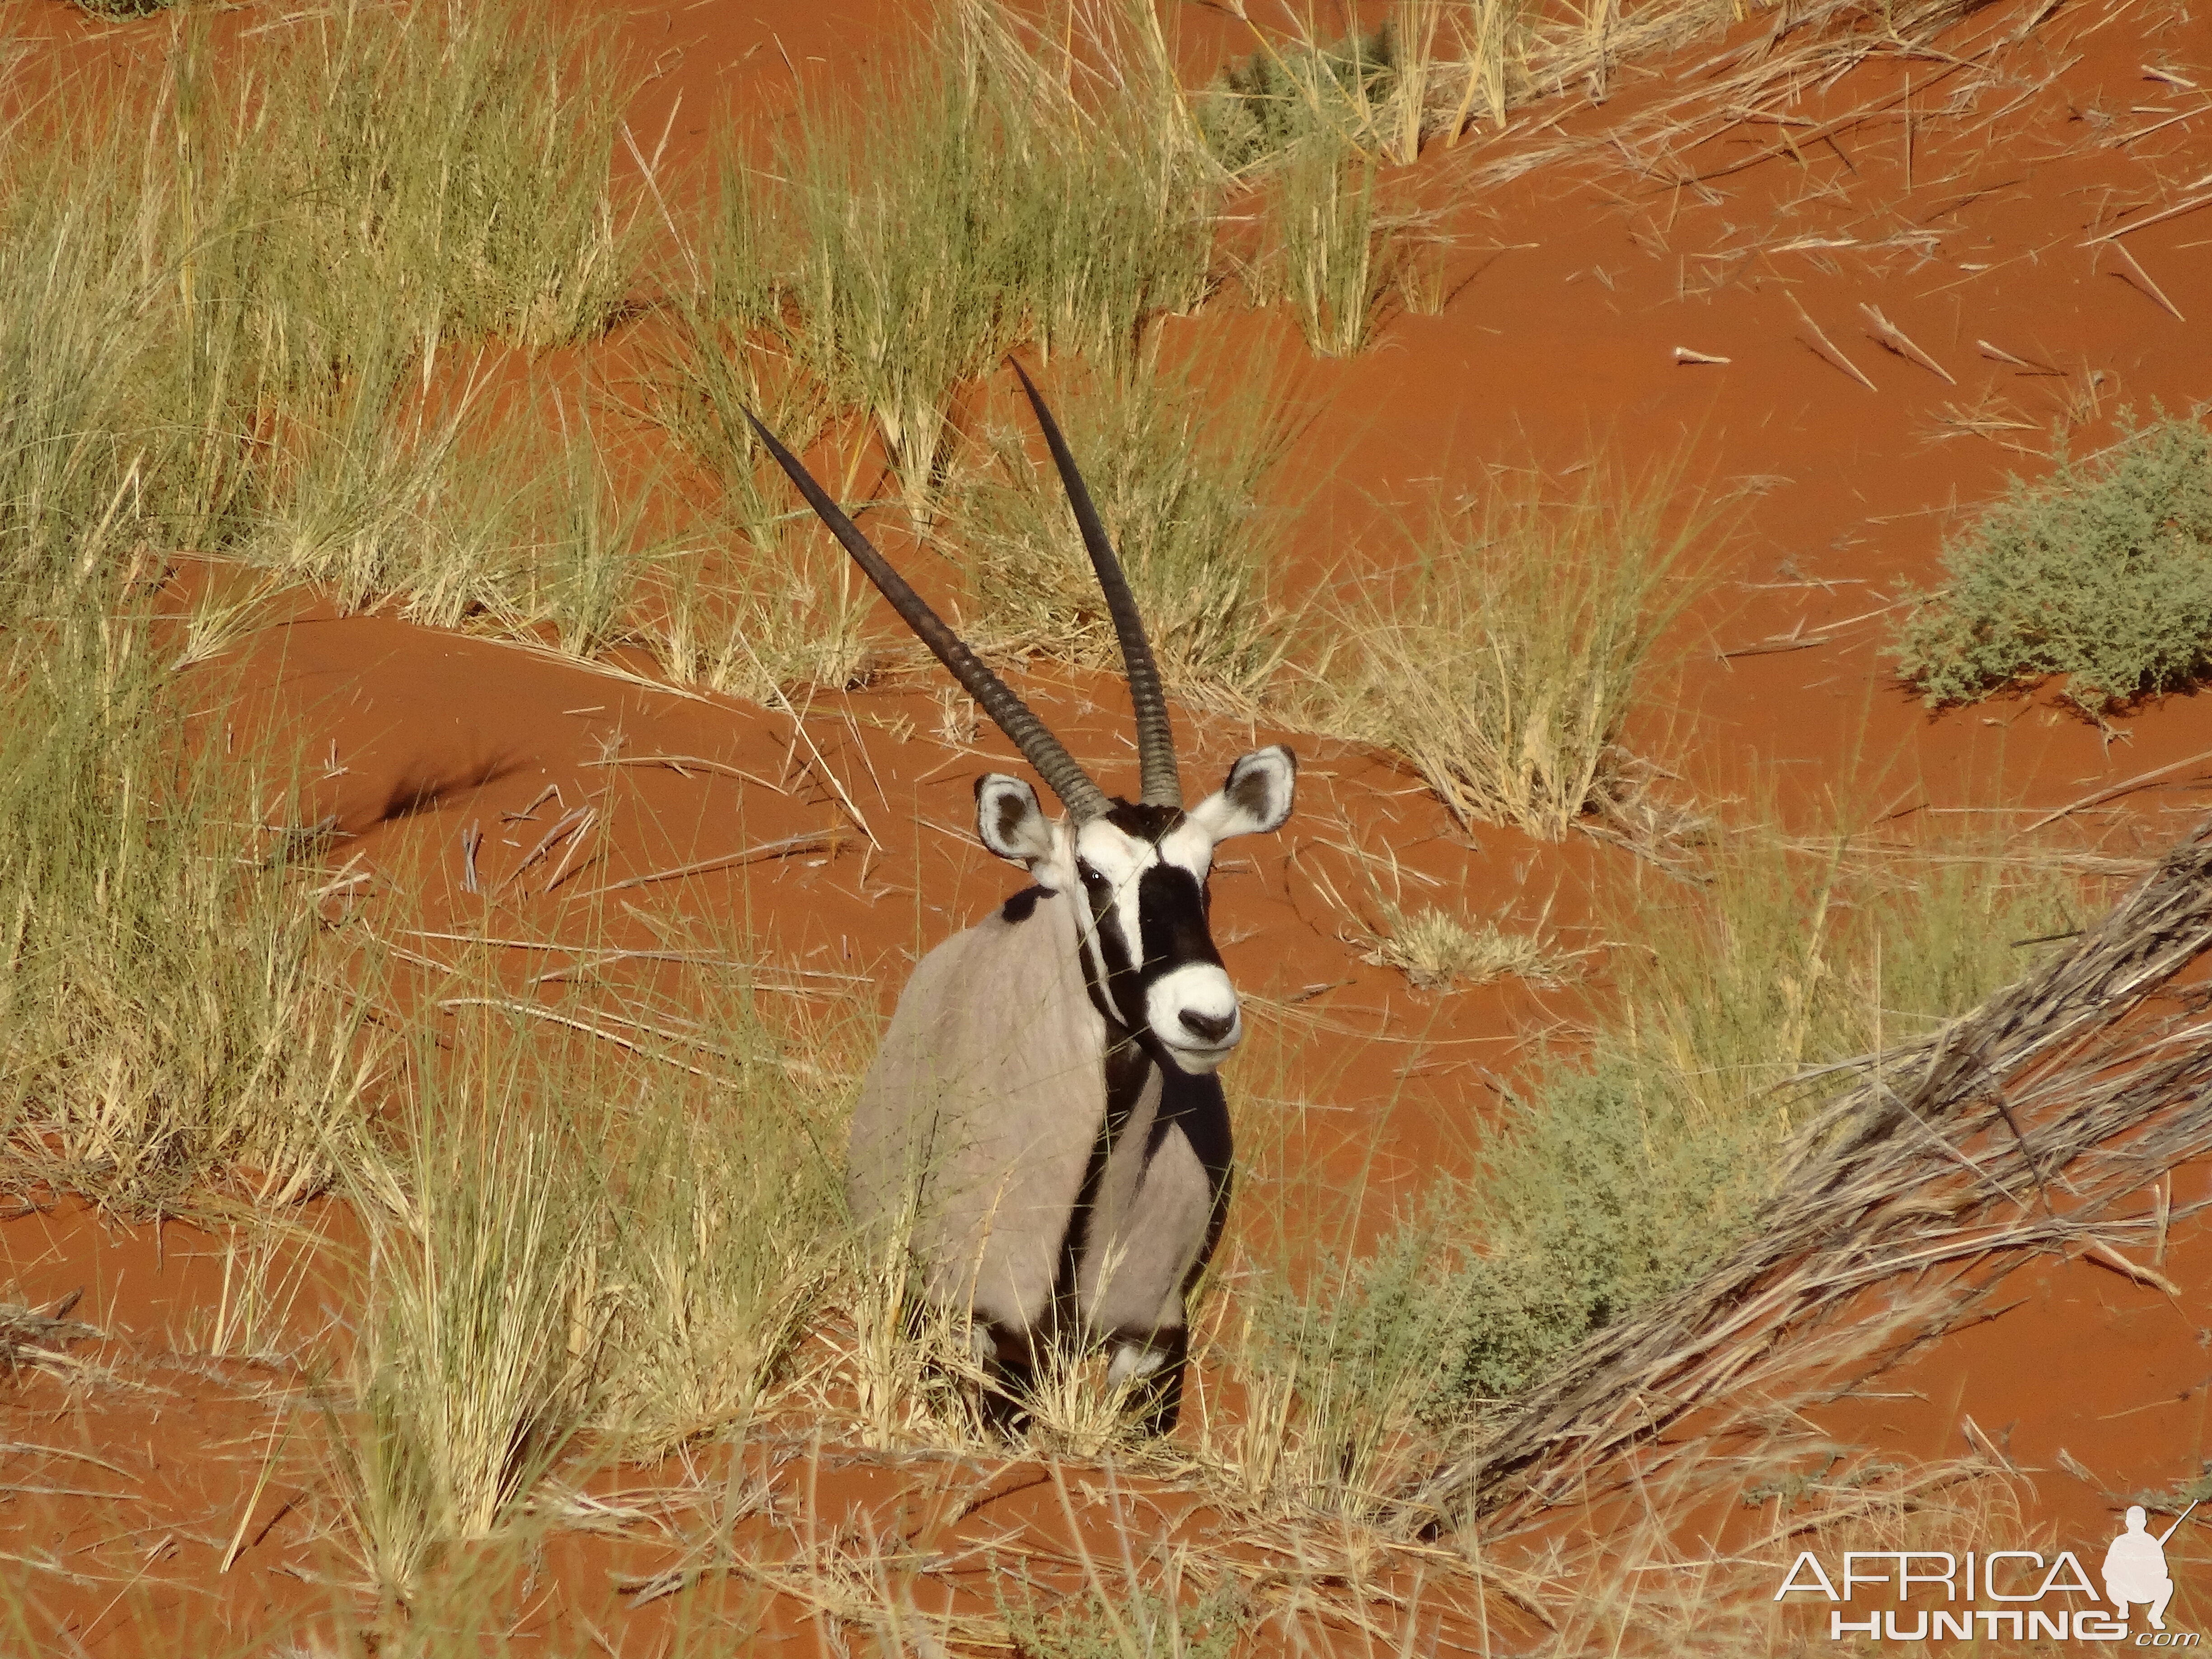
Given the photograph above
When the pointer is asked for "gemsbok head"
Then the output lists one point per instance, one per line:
(1044, 1123)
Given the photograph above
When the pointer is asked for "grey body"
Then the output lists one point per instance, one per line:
(1045, 1167)
(1042, 1130)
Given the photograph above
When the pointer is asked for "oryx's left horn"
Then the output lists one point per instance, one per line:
(1161, 785)
(1084, 798)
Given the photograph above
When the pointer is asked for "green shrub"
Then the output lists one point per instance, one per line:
(1282, 98)
(2103, 573)
(1348, 1365)
(1608, 1190)
(1613, 1179)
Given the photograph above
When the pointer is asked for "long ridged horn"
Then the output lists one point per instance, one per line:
(1162, 784)
(1084, 798)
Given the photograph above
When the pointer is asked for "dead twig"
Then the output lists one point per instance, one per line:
(812, 841)
(2105, 794)
(2105, 1256)
(1901, 343)
(551, 791)
(565, 826)
(2142, 279)
(2004, 357)
(585, 832)
(31, 1339)
(2173, 212)
(1827, 349)
(685, 765)
(2160, 126)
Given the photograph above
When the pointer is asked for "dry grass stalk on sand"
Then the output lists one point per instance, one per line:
(1831, 38)
(2013, 1130)
(29, 1338)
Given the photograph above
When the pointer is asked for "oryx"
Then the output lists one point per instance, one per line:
(1044, 1121)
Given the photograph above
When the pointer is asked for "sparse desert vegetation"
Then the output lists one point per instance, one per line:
(2099, 573)
(463, 825)
(1503, 657)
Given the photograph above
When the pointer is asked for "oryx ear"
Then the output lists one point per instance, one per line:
(1009, 819)
(1256, 797)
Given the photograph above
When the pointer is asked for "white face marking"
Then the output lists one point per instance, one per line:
(1189, 846)
(1192, 1009)
(1199, 991)
(1118, 858)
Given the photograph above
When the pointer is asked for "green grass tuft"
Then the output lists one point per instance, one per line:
(221, 304)
(1378, 94)
(1337, 253)
(484, 1322)
(974, 199)
(578, 1252)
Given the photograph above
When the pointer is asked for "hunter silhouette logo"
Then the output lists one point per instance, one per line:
(2135, 1566)
(1936, 1595)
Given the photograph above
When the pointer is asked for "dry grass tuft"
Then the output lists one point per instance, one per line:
(167, 1010)
(1503, 659)
(583, 1248)
(484, 1326)
(1674, 1570)
(786, 611)
(1335, 254)
(1439, 950)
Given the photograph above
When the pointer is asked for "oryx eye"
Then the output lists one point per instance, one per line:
(1100, 889)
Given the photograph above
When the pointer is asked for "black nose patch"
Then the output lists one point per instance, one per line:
(1208, 1028)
